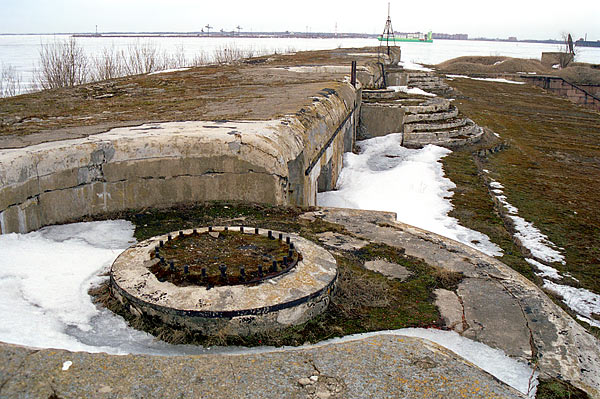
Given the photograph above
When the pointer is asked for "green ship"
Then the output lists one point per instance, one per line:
(408, 37)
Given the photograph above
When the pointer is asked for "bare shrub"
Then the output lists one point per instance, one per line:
(108, 65)
(144, 58)
(10, 81)
(62, 64)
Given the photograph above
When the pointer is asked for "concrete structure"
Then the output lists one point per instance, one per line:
(563, 88)
(288, 299)
(282, 160)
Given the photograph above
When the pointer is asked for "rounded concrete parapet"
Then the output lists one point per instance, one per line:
(288, 299)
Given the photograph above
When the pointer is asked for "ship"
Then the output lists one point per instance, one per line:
(417, 37)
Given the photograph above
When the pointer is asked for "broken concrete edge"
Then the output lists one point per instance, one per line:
(572, 366)
(288, 299)
(179, 162)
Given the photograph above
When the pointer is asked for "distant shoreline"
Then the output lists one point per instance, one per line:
(263, 35)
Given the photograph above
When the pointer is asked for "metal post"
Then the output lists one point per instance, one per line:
(353, 74)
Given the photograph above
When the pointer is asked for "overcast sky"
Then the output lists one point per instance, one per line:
(525, 19)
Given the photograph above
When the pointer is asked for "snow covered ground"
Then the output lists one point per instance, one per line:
(388, 177)
(583, 302)
(45, 276)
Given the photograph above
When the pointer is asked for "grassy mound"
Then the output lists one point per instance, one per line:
(491, 65)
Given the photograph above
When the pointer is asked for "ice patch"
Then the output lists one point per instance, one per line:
(412, 90)
(67, 365)
(583, 302)
(388, 177)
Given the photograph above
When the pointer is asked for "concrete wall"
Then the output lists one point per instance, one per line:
(563, 88)
(164, 164)
(380, 119)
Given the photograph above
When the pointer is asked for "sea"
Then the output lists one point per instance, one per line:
(22, 52)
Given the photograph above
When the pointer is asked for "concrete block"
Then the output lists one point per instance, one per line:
(380, 120)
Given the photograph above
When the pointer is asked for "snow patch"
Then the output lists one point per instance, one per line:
(544, 271)
(412, 90)
(583, 302)
(413, 66)
(388, 177)
(533, 239)
(66, 365)
(501, 80)
(168, 71)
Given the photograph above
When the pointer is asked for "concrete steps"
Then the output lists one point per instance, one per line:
(467, 134)
(428, 126)
(429, 82)
(432, 116)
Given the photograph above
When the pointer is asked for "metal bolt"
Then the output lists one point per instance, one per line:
(223, 270)
(285, 260)
(209, 228)
(226, 228)
(195, 231)
(172, 266)
(169, 237)
(274, 267)
(203, 272)
(162, 260)
(280, 236)
(161, 243)
(156, 250)
(287, 240)
(256, 230)
(186, 269)
(260, 271)
(291, 245)
(241, 229)
(270, 234)
(290, 254)
(180, 233)
(243, 272)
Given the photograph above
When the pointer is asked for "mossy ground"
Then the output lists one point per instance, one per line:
(550, 173)
(556, 389)
(363, 301)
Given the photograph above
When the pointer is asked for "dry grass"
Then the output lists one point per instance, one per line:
(549, 172)
(472, 65)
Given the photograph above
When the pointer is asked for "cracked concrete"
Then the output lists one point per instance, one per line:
(502, 308)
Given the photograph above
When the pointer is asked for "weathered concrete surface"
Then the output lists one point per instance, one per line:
(388, 269)
(502, 308)
(176, 162)
(376, 367)
(288, 299)
(380, 119)
(451, 309)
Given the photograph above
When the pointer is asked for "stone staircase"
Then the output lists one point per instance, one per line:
(426, 120)
(429, 82)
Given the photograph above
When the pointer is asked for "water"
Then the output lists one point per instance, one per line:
(22, 51)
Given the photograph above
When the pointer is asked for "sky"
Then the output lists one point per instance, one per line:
(524, 19)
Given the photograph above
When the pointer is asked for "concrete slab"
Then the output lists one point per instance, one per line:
(376, 367)
(388, 269)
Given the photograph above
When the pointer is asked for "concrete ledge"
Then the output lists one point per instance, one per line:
(163, 164)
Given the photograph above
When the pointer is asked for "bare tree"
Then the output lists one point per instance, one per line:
(62, 64)
(10, 81)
